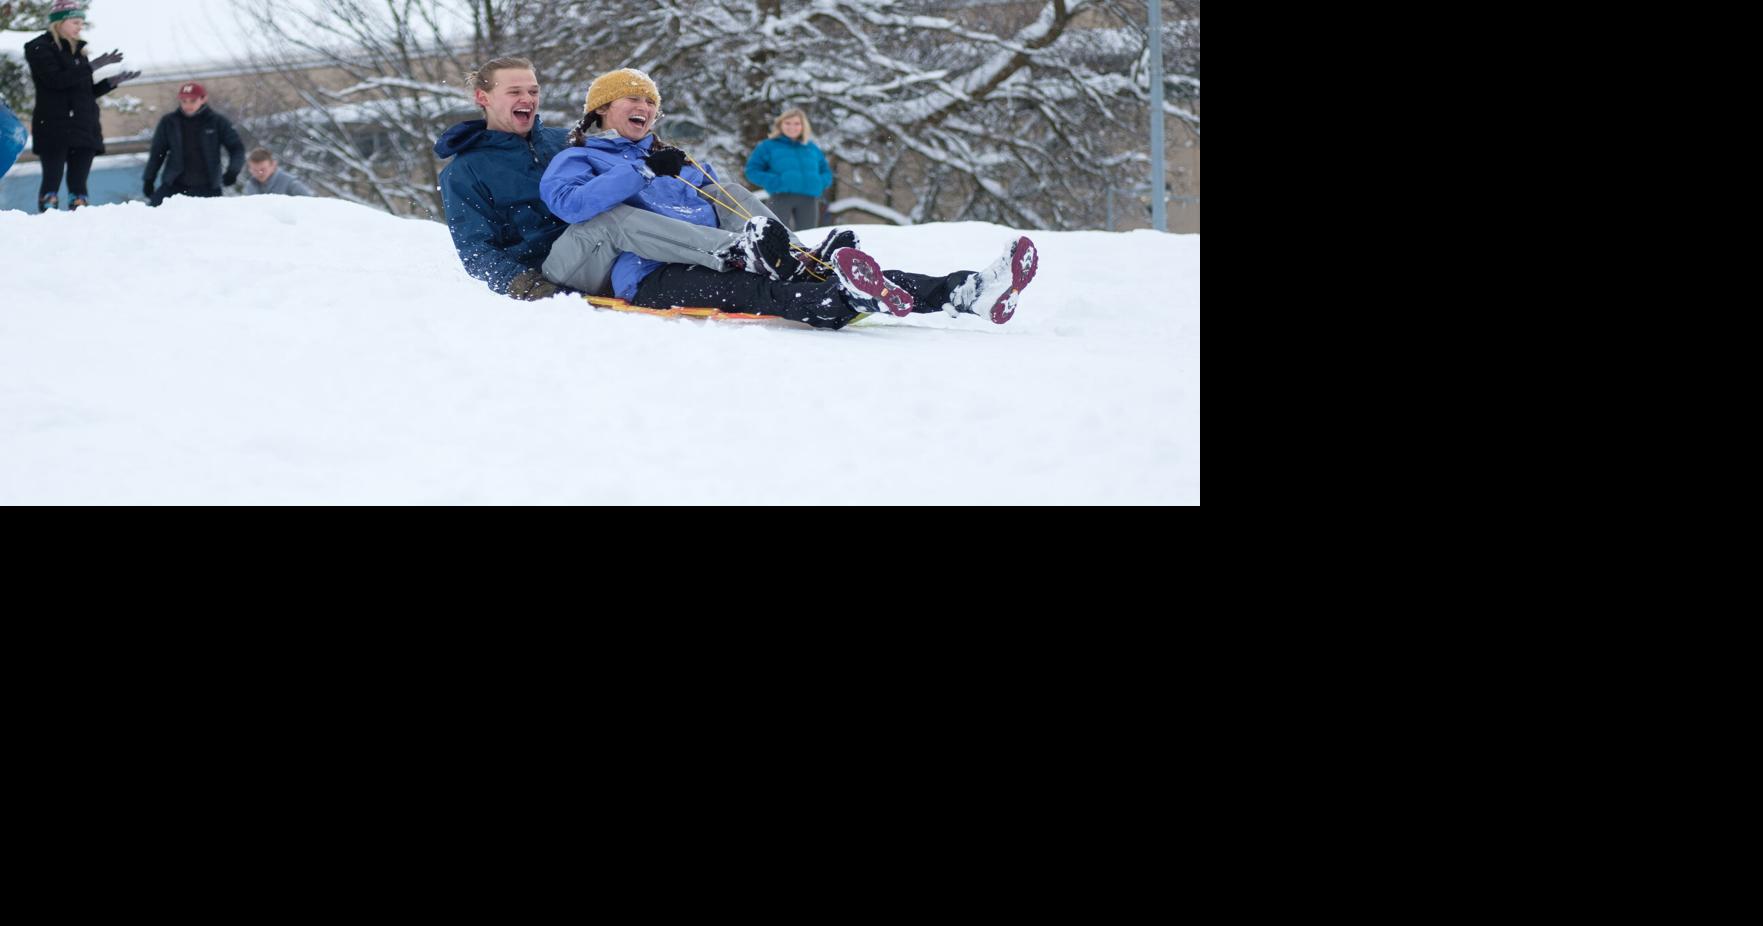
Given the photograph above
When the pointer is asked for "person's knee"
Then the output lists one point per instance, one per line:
(597, 230)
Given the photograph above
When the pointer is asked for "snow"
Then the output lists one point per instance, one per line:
(12, 42)
(271, 350)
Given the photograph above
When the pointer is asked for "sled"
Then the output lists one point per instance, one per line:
(705, 314)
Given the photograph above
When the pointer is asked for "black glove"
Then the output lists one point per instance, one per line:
(531, 285)
(230, 178)
(106, 60)
(147, 188)
(665, 162)
(122, 78)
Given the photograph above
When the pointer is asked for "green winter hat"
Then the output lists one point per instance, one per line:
(67, 9)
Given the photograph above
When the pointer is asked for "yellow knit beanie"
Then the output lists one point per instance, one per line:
(620, 84)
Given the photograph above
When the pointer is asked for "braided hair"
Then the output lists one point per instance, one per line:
(578, 136)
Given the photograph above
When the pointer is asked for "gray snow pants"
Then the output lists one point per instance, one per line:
(582, 257)
(797, 211)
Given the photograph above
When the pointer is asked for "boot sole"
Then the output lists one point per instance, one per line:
(859, 272)
(1025, 261)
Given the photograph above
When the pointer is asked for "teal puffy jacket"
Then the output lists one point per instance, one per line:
(784, 166)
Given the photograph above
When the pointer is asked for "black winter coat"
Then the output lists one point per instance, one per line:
(168, 148)
(66, 116)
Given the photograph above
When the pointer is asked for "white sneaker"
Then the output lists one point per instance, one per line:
(994, 290)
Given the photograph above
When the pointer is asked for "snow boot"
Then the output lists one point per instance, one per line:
(78, 201)
(819, 266)
(763, 248)
(49, 203)
(993, 291)
(865, 287)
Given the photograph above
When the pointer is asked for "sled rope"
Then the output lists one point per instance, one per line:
(801, 253)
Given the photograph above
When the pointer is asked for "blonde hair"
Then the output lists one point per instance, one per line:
(484, 78)
(777, 125)
(72, 45)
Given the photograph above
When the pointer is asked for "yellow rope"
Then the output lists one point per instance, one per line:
(737, 210)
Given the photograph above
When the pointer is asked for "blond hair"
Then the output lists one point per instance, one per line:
(72, 45)
(777, 125)
(484, 78)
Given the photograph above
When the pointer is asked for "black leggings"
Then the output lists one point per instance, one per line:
(822, 305)
(78, 164)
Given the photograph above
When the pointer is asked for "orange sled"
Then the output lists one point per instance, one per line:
(715, 315)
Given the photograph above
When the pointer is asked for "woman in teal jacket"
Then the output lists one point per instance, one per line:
(790, 166)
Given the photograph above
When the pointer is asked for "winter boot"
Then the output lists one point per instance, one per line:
(78, 201)
(763, 248)
(819, 266)
(49, 203)
(993, 291)
(865, 287)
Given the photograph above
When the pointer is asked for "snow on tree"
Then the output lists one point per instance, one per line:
(15, 78)
(1013, 112)
(1016, 112)
(363, 90)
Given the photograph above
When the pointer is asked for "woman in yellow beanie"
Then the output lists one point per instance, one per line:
(617, 160)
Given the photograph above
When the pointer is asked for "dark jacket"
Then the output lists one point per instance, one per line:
(784, 165)
(67, 101)
(491, 190)
(216, 132)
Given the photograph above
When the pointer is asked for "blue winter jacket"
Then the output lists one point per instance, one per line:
(491, 190)
(12, 138)
(607, 171)
(782, 165)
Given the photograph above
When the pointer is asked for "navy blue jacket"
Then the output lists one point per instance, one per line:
(168, 148)
(491, 191)
(782, 165)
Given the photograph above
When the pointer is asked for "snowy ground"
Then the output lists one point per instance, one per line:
(295, 351)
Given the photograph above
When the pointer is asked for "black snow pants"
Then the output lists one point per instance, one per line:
(823, 305)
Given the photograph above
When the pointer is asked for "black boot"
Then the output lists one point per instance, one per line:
(763, 248)
(819, 267)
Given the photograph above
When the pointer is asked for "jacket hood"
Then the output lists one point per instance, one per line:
(468, 135)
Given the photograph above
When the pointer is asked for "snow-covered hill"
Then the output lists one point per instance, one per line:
(297, 351)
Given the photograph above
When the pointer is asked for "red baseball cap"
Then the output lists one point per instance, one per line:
(192, 91)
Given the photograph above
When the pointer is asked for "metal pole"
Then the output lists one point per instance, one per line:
(1159, 206)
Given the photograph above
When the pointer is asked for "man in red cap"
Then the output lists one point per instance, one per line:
(187, 144)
